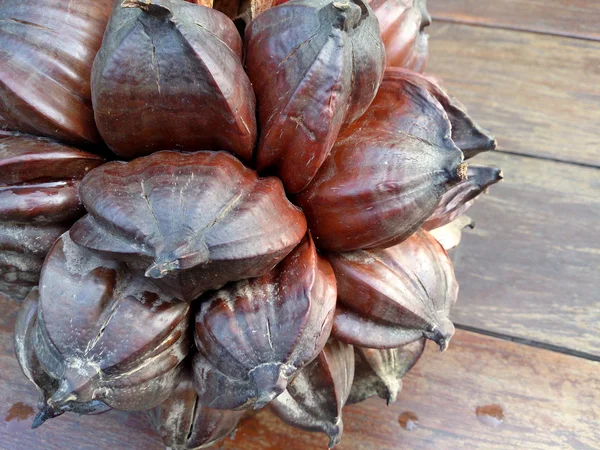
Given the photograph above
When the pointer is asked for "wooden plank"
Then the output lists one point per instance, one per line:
(577, 18)
(547, 399)
(531, 266)
(539, 94)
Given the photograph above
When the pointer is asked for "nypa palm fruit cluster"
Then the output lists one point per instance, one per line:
(209, 208)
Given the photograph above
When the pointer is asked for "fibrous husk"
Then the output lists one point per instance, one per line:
(315, 66)
(101, 335)
(402, 24)
(48, 47)
(184, 423)
(391, 297)
(450, 235)
(255, 335)
(386, 173)
(169, 75)
(38, 203)
(466, 133)
(380, 371)
(460, 197)
(314, 399)
(191, 221)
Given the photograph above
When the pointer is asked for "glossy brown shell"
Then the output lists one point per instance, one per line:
(314, 399)
(25, 327)
(38, 202)
(466, 133)
(255, 335)
(191, 221)
(48, 47)
(402, 24)
(461, 196)
(315, 65)
(386, 173)
(389, 298)
(103, 333)
(169, 75)
(380, 371)
(184, 423)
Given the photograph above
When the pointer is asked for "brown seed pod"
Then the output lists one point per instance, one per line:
(191, 221)
(184, 423)
(466, 134)
(315, 66)
(24, 348)
(103, 334)
(386, 173)
(380, 371)
(450, 235)
(314, 399)
(402, 24)
(38, 202)
(391, 297)
(255, 335)
(169, 75)
(461, 196)
(48, 47)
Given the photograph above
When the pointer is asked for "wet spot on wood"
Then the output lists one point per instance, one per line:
(490, 415)
(409, 420)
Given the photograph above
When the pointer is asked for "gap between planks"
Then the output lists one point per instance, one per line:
(529, 342)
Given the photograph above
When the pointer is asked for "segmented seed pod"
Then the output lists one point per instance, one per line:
(48, 47)
(38, 203)
(314, 399)
(25, 327)
(450, 235)
(315, 66)
(380, 371)
(104, 334)
(391, 297)
(386, 173)
(169, 75)
(466, 133)
(191, 221)
(184, 423)
(461, 196)
(255, 335)
(402, 24)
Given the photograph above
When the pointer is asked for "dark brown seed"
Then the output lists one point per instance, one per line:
(380, 371)
(185, 423)
(191, 221)
(402, 24)
(169, 75)
(315, 66)
(38, 202)
(314, 399)
(466, 134)
(386, 173)
(104, 334)
(461, 196)
(391, 297)
(47, 51)
(255, 335)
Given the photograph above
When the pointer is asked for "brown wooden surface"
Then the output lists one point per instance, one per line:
(580, 18)
(531, 266)
(547, 400)
(539, 94)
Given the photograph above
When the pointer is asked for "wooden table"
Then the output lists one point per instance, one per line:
(523, 369)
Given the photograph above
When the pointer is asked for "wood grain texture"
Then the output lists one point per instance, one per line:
(540, 95)
(531, 266)
(577, 18)
(548, 401)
